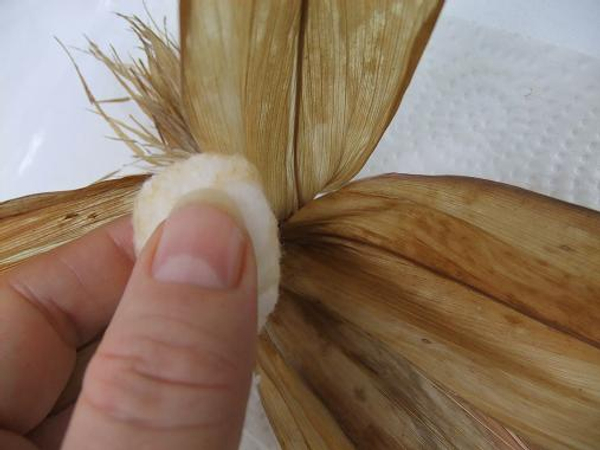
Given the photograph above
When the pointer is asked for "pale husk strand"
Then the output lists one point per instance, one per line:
(410, 274)
(217, 32)
(357, 61)
(35, 224)
(270, 95)
(244, 100)
(304, 101)
(378, 399)
(304, 89)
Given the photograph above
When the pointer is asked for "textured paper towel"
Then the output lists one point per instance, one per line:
(257, 433)
(495, 105)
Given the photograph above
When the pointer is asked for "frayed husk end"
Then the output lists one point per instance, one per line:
(153, 84)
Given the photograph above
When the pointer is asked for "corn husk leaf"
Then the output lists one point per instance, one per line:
(296, 395)
(303, 89)
(377, 398)
(299, 418)
(38, 223)
(485, 288)
(357, 60)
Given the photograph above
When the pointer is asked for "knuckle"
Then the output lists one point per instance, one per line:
(159, 383)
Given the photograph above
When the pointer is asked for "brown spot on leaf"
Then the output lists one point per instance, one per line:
(566, 248)
(360, 394)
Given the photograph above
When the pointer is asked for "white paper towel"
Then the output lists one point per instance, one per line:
(258, 433)
(491, 104)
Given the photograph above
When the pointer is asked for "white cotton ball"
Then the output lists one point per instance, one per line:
(226, 181)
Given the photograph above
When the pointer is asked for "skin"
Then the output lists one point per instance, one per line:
(174, 365)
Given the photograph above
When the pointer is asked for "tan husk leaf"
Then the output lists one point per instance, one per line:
(299, 418)
(297, 413)
(37, 223)
(243, 101)
(303, 89)
(491, 291)
(357, 60)
(377, 398)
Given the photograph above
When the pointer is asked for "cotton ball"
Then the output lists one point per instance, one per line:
(225, 181)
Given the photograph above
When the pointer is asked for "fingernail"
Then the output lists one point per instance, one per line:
(200, 245)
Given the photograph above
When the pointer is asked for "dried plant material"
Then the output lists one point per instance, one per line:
(299, 418)
(230, 183)
(357, 60)
(550, 250)
(453, 274)
(155, 87)
(377, 398)
(305, 90)
(244, 100)
(35, 224)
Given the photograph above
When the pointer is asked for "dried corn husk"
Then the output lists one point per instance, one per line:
(300, 419)
(491, 291)
(38, 223)
(154, 85)
(378, 399)
(298, 393)
(303, 89)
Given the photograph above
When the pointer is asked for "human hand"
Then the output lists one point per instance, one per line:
(174, 366)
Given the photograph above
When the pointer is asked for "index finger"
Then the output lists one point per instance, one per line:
(51, 305)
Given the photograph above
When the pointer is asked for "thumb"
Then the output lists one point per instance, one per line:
(174, 367)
